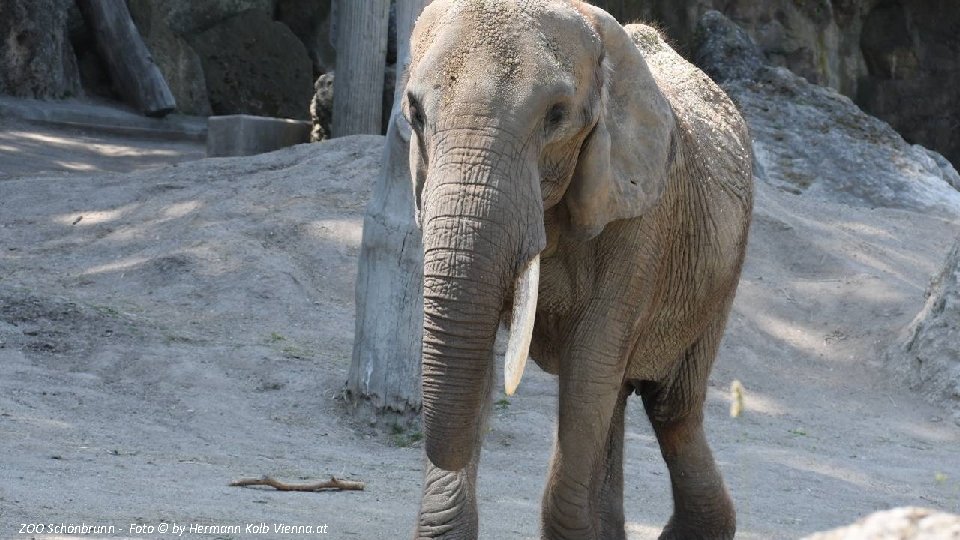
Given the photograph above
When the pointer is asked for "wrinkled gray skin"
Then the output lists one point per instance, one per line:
(544, 127)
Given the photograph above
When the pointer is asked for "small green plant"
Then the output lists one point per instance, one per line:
(299, 353)
(275, 337)
(939, 477)
(403, 438)
(502, 404)
(798, 431)
(107, 311)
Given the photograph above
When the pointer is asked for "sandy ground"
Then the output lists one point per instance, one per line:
(165, 331)
(29, 149)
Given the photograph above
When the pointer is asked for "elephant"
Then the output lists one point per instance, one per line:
(580, 182)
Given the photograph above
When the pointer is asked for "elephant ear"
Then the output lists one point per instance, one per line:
(622, 168)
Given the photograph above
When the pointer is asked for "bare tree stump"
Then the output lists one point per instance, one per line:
(132, 69)
(384, 379)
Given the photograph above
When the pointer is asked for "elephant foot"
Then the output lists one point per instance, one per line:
(678, 528)
(613, 533)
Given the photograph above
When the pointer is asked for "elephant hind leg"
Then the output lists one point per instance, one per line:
(701, 505)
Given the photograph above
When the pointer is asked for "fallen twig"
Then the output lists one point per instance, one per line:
(332, 484)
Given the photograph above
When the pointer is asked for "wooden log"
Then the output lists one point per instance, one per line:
(132, 69)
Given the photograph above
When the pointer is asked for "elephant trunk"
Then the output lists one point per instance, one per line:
(472, 258)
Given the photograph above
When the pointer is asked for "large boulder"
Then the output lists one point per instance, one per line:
(312, 22)
(36, 58)
(179, 63)
(929, 353)
(724, 50)
(783, 109)
(321, 108)
(905, 523)
(254, 65)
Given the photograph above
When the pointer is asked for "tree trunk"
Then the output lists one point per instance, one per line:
(132, 69)
(384, 379)
(362, 28)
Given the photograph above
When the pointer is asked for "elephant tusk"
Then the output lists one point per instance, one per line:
(521, 324)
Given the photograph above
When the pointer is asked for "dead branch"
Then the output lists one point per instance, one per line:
(334, 484)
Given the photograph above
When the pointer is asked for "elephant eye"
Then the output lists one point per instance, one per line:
(415, 113)
(555, 117)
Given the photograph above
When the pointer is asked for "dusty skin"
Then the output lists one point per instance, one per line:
(195, 327)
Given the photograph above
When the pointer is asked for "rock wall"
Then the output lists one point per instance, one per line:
(36, 58)
(897, 59)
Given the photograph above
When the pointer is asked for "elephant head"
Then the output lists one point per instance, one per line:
(517, 108)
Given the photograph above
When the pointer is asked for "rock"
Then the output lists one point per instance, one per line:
(254, 65)
(724, 50)
(321, 106)
(905, 523)
(854, 159)
(36, 58)
(179, 63)
(244, 135)
(311, 21)
(929, 355)
(910, 50)
(188, 17)
(938, 165)
(896, 58)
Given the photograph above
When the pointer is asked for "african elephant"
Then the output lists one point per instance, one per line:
(582, 182)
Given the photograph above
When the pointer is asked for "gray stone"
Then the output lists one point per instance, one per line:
(254, 65)
(179, 63)
(724, 50)
(898, 59)
(854, 158)
(321, 108)
(188, 17)
(103, 117)
(36, 58)
(905, 523)
(929, 355)
(311, 21)
(245, 135)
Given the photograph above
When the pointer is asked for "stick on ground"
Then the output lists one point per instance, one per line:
(333, 484)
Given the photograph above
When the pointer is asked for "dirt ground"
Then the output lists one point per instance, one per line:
(164, 331)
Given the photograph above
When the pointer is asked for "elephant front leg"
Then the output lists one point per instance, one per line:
(611, 491)
(590, 382)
